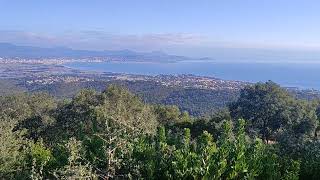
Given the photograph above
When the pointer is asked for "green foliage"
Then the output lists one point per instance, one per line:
(12, 149)
(118, 106)
(170, 115)
(232, 157)
(33, 113)
(90, 113)
(310, 161)
(39, 158)
(270, 110)
(239, 165)
(76, 168)
(198, 102)
(114, 135)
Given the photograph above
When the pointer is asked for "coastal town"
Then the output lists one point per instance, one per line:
(49, 71)
(55, 61)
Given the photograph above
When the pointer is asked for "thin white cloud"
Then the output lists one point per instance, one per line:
(173, 43)
(100, 40)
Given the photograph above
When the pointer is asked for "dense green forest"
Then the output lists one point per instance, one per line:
(266, 133)
(197, 102)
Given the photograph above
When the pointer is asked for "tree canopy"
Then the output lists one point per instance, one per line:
(114, 135)
(271, 110)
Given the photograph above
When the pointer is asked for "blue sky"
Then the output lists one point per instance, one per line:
(187, 27)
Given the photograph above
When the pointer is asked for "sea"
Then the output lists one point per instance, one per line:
(300, 75)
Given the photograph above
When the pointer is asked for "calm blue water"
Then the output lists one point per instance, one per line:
(291, 75)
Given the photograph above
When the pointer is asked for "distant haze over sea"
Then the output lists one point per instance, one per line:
(305, 76)
(286, 67)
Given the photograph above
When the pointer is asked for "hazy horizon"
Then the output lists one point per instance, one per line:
(267, 30)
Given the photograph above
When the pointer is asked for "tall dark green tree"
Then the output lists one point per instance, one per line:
(12, 149)
(270, 110)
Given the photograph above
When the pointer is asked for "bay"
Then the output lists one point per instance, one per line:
(305, 76)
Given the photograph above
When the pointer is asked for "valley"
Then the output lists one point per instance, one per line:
(198, 95)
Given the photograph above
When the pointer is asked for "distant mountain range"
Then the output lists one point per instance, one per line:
(8, 50)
